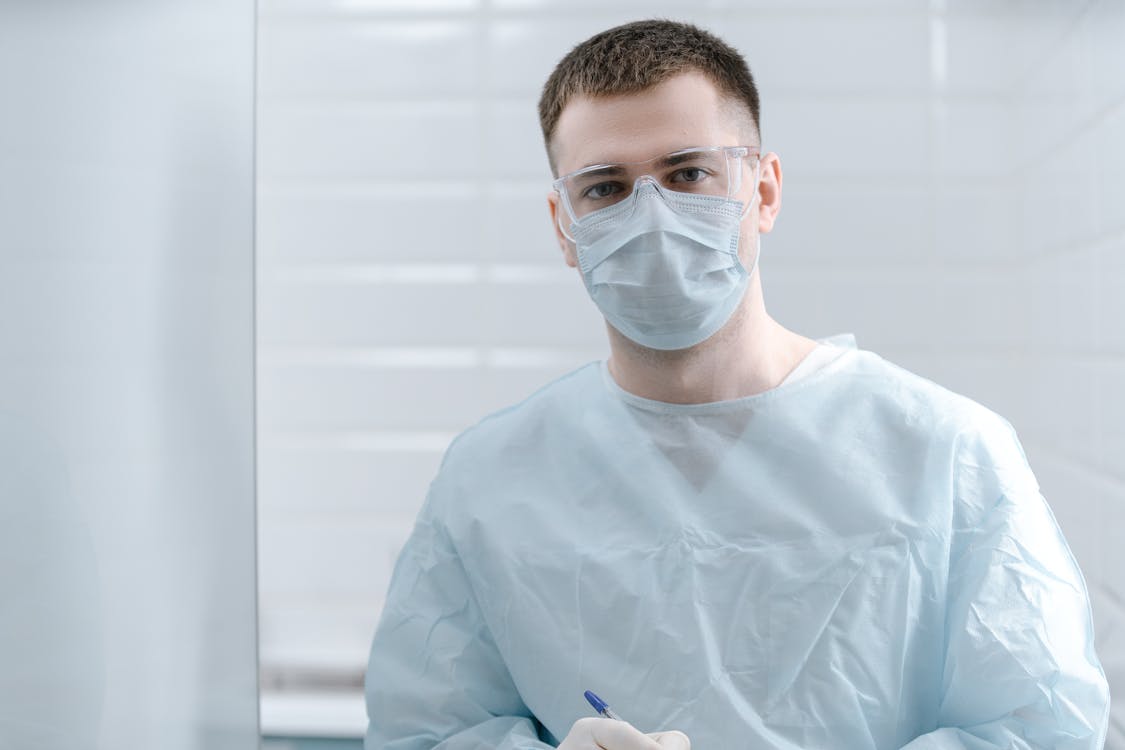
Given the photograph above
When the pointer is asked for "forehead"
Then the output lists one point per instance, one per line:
(684, 111)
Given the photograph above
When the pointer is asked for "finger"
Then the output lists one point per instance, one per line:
(610, 734)
(673, 740)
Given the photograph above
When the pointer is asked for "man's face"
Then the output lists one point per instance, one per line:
(682, 112)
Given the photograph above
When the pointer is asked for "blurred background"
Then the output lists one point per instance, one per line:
(287, 249)
(127, 526)
(954, 176)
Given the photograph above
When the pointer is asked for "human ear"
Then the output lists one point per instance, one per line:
(769, 191)
(565, 245)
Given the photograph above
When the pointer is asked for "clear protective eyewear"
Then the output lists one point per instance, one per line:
(704, 170)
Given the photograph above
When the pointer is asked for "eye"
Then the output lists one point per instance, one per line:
(601, 190)
(689, 174)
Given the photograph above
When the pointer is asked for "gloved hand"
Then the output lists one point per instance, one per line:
(608, 734)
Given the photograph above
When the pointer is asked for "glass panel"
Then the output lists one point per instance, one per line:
(127, 545)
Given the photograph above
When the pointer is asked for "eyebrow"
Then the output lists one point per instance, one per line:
(618, 168)
(673, 159)
(605, 169)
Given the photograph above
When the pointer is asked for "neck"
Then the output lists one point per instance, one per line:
(751, 354)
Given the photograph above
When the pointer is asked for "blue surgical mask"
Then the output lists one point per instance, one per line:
(663, 266)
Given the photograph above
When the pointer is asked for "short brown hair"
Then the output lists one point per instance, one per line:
(636, 56)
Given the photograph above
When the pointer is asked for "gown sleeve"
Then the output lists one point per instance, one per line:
(1019, 664)
(435, 678)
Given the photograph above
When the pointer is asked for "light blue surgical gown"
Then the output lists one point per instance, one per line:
(858, 559)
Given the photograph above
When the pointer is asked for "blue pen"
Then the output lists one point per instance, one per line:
(601, 706)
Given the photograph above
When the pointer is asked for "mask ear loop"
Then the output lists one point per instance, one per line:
(755, 196)
(757, 254)
(746, 212)
(560, 209)
(558, 220)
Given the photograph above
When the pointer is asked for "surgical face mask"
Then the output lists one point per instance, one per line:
(663, 266)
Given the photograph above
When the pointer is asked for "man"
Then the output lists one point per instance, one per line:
(737, 536)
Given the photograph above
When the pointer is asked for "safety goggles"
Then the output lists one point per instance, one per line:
(705, 170)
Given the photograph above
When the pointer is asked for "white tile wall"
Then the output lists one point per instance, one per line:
(837, 137)
(1066, 104)
(348, 57)
(537, 41)
(954, 176)
(871, 222)
(308, 223)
